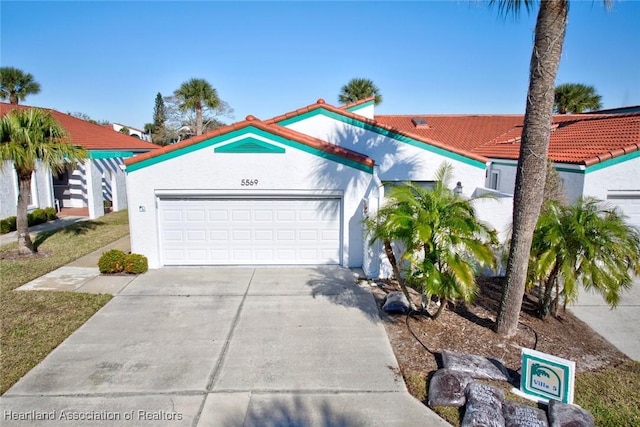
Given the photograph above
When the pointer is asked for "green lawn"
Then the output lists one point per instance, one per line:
(35, 322)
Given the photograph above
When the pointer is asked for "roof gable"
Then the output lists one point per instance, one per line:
(249, 145)
(88, 135)
(322, 108)
(254, 127)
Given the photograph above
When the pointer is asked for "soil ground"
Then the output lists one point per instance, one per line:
(468, 328)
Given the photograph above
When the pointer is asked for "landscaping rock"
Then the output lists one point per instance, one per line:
(516, 415)
(476, 366)
(564, 415)
(484, 406)
(447, 388)
(396, 302)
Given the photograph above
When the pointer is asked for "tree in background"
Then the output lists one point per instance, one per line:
(198, 96)
(576, 98)
(586, 244)
(159, 111)
(125, 130)
(87, 118)
(27, 138)
(16, 85)
(357, 89)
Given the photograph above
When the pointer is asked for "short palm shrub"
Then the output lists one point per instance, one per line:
(135, 264)
(112, 261)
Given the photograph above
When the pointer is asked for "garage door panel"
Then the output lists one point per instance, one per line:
(260, 231)
(629, 204)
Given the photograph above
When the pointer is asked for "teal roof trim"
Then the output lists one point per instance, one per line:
(613, 162)
(101, 154)
(249, 145)
(253, 130)
(384, 132)
(360, 106)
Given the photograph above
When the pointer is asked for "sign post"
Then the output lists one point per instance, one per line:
(544, 377)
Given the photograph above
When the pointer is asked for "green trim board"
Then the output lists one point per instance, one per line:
(249, 145)
(613, 162)
(359, 107)
(101, 154)
(384, 132)
(237, 133)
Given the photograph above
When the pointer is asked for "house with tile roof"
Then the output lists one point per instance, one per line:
(295, 189)
(97, 182)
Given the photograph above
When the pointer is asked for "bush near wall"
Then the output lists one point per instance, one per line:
(35, 217)
(116, 261)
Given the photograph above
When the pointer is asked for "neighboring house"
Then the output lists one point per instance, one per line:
(136, 133)
(100, 179)
(296, 188)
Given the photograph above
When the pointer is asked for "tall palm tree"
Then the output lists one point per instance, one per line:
(443, 240)
(528, 195)
(31, 138)
(584, 243)
(15, 84)
(196, 95)
(551, 25)
(357, 89)
(576, 98)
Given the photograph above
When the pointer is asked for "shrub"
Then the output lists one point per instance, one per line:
(112, 262)
(37, 216)
(136, 264)
(50, 213)
(7, 225)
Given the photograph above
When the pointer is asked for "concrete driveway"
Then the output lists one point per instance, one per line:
(224, 347)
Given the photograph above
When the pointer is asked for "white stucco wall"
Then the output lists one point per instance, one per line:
(367, 111)
(620, 176)
(506, 175)
(207, 172)
(41, 194)
(8, 196)
(396, 160)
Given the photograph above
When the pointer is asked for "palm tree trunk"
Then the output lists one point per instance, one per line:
(25, 246)
(443, 304)
(199, 120)
(396, 272)
(530, 176)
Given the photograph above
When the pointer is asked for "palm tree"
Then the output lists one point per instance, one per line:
(576, 98)
(443, 240)
(29, 138)
(357, 89)
(582, 243)
(551, 25)
(528, 195)
(196, 95)
(15, 84)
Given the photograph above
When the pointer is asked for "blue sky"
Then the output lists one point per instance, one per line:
(109, 59)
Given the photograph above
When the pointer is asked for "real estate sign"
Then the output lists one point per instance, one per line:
(546, 376)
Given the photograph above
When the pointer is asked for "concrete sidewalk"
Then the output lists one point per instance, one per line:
(621, 325)
(83, 275)
(47, 226)
(224, 347)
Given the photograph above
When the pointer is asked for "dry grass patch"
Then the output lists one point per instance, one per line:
(34, 323)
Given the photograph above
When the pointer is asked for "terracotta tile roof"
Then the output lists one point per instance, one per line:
(464, 132)
(89, 135)
(578, 138)
(321, 104)
(270, 128)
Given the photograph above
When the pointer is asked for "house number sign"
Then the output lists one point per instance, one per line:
(248, 182)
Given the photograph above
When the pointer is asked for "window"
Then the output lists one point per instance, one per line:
(494, 180)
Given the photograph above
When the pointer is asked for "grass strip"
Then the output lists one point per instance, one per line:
(33, 323)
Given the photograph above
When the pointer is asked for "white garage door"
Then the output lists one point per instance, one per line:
(629, 203)
(256, 231)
